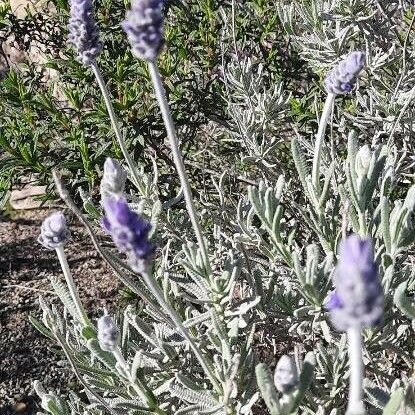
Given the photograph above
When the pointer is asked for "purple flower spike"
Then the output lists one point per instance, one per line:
(128, 231)
(342, 78)
(358, 299)
(83, 31)
(144, 28)
(54, 232)
(334, 301)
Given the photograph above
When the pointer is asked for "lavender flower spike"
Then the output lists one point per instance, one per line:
(53, 232)
(129, 232)
(83, 31)
(342, 78)
(113, 180)
(144, 28)
(108, 334)
(358, 299)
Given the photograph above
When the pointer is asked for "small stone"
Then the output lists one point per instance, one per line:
(20, 407)
(22, 199)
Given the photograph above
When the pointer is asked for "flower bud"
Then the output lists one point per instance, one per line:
(108, 334)
(53, 232)
(286, 374)
(363, 158)
(342, 78)
(113, 180)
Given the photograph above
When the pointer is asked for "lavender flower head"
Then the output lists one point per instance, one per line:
(129, 232)
(144, 28)
(357, 301)
(83, 31)
(54, 232)
(108, 334)
(113, 180)
(342, 78)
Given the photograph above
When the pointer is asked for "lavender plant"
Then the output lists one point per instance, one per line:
(257, 283)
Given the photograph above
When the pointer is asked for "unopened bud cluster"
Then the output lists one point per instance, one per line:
(113, 180)
(342, 78)
(54, 232)
(286, 375)
(108, 334)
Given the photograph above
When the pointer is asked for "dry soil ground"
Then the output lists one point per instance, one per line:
(25, 268)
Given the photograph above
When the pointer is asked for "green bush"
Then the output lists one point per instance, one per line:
(63, 122)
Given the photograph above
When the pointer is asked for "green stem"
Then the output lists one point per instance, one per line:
(71, 286)
(155, 289)
(362, 224)
(115, 124)
(328, 106)
(178, 159)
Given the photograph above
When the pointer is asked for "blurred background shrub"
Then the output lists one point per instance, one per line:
(52, 114)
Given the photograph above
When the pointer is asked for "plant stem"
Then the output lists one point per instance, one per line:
(115, 123)
(362, 224)
(328, 106)
(71, 286)
(177, 158)
(155, 289)
(355, 342)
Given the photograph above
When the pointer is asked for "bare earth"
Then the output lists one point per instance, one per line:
(25, 355)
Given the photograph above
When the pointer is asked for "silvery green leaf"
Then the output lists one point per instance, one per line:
(395, 402)
(376, 167)
(138, 357)
(267, 388)
(375, 395)
(189, 410)
(105, 357)
(197, 319)
(200, 397)
(303, 311)
(402, 301)
(168, 335)
(89, 206)
(143, 328)
(189, 383)
(265, 200)
(300, 164)
(41, 327)
(64, 295)
(385, 218)
(306, 377)
(326, 187)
